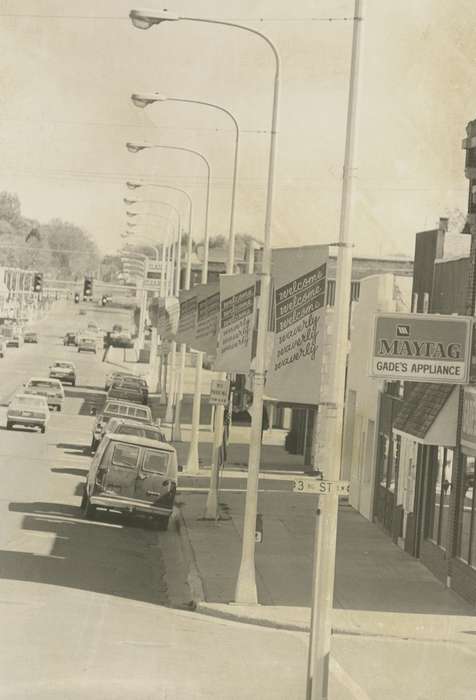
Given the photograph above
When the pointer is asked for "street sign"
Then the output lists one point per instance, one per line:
(219, 390)
(321, 487)
(421, 348)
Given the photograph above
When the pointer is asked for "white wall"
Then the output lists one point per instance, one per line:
(378, 293)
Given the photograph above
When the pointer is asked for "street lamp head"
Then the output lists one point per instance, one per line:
(145, 19)
(133, 185)
(129, 223)
(131, 213)
(129, 201)
(134, 147)
(144, 99)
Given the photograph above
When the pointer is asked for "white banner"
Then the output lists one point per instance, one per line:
(237, 314)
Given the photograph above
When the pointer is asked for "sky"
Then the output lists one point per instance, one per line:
(69, 67)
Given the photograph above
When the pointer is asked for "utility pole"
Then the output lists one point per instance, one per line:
(327, 510)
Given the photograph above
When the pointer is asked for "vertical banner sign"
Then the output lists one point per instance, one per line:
(188, 317)
(237, 311)
(299, 276)
(208, 311)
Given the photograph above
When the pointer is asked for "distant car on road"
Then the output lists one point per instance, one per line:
(30, 337)
(122, 340)
(87, 343)
(132, 475)
(15, 340)
(3, 348)
(28, 411)
(64, 371)
(70, 339)
(118, 409)
(51, 389)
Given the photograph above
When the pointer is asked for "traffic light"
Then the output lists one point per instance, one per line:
(88, 288)
(76, 298)
(38, 282)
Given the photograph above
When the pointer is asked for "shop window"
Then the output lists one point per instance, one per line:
(383, 459)
(439, 495)
(466, 536)
(394, 463)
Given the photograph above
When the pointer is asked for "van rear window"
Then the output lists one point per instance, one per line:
(125, 456)
(156, 461)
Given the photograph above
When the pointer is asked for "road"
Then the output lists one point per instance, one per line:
(87, 607)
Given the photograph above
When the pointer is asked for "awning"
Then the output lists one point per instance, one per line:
(429, 414)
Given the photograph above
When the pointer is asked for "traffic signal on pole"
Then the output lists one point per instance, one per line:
(38, 282)
(88, 288)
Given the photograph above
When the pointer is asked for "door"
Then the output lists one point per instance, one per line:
(151, 480)
(122, 466)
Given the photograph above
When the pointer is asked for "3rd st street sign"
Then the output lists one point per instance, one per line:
(422, 348)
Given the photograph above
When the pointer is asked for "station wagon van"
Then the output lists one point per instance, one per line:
(132, 475)
(118, 409)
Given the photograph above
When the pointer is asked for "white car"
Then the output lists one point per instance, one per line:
(64, 371)
(51, 389)
(28, 411)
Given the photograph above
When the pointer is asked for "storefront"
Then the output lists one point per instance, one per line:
(415, 480)
(463, 565)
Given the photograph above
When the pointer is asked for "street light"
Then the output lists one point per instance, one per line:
(246, 591)
(136, 147)
(143, 100)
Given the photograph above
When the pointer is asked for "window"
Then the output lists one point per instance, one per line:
(125, 456)
(466, 536)
(439, 494)
(155, 461)
(383, 459)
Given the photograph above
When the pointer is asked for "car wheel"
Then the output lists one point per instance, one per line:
(58, 408)
(94, 445)
(87, 510)
(161, 522)
(73, 383)
(9, 425)
(43, 428)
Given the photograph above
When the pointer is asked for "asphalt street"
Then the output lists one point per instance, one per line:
(87, 607)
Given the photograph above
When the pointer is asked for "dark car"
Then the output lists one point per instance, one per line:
(70, 339)
(130, 427)
(127, 389)
(122, 340)
(132, 475)
(30, 337)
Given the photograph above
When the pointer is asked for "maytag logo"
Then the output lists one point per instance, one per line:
(403, 331)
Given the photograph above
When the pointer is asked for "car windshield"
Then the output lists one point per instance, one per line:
(156, 461)
(28, 401)
(140, 432)
(62, 365)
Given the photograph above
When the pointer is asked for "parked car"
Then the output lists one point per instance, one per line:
(118, 409)
(28, 411)
(127, 389)
(87, 343)
(132, 427)
(70, 339)
(3, 347)
(51, 389)
(64, 371)
(30, 337)
(132, 475)
(119, 374)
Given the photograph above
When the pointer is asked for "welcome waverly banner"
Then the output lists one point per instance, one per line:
(294, 374)
(237, 316)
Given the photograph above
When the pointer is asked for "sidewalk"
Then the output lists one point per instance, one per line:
(379, 590)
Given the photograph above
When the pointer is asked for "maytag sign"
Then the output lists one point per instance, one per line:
(422, 348)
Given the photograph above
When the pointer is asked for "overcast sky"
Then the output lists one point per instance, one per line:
(69, 66)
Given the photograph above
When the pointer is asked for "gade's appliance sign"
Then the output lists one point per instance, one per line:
(421, 348)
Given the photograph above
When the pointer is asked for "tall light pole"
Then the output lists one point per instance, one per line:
(136, 147)
(246, 591)
(192, 465)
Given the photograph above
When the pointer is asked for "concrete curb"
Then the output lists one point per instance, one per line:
(194, 579)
